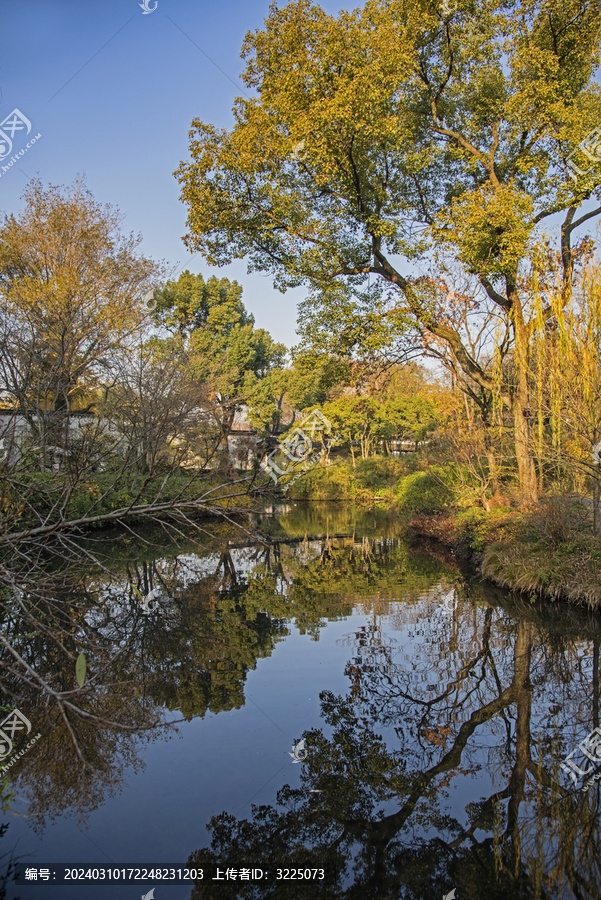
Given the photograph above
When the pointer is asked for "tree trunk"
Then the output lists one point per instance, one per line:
(520, 407)
(522, 695)
(597, 499)
(469, 414)
(523, 452)
(492, 463)
(521, 411)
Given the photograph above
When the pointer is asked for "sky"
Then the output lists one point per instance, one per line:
(112, 92)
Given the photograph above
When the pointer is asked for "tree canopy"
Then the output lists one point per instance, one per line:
(424, 134)
(71, 285)
(225, 351)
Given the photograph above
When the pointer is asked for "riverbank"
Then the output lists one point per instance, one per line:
(546, 552)
(50, 504)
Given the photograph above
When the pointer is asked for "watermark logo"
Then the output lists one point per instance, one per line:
(295, 451)
(149, 895)
(147, 601)
(450, 895)
(149, 300)
(298, 151)
(590, 147)
(299, 753)
(590, 747)
(14, 122)
(15, 721)
(146, 11)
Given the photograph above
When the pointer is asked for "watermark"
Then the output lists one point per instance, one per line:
(9, 726)
(299, 752)
(448, 604)
(149, 300)
(450, 895)
(299, 149)
(146, 8)
(32, 874)
(296, 449)
(590, 147)
(590, 747)
(449, 7)
(149, 895)
(14, 123)
(147, 601)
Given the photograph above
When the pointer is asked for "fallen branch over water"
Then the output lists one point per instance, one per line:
(177, 508)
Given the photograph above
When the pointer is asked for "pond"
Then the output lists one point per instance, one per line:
(311, 707)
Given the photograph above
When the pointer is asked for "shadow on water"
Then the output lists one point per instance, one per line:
(438, 767)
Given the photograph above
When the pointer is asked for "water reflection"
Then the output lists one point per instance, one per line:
(218, 609)
(438, 767)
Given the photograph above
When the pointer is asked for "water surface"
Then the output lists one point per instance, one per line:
(434, 714)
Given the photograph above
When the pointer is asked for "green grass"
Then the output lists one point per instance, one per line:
(548, 553)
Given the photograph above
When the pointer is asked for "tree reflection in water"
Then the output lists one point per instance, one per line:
(219, 608)
(439, 767)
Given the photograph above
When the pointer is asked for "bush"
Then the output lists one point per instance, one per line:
(379, 477)
(477, 528)
(331, 483)
(424, 492)
(381, 471)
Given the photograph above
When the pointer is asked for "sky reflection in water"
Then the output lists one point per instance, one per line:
(435, 714)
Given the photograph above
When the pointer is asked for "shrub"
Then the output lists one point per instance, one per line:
(477, 527)
(381, 471)
(424, 492)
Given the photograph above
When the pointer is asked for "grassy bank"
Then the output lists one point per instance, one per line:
(397, 483)
(545, 552)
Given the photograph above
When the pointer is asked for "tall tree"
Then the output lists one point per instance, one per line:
(423, 132)
(71, 286)
(226, 352)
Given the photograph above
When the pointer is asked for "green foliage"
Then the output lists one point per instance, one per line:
(424, 492)
(369, 421)
(348, 86)
(477, 527)
(336, 482)
(383, 471)
(225, 351)
(191, 304)
(369, 479)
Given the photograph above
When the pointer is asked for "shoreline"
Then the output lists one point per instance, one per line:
(499, 552)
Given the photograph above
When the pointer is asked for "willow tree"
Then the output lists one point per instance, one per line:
(394, 132)
(568, 376)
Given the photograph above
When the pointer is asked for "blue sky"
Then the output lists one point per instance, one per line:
(112, 92)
